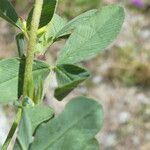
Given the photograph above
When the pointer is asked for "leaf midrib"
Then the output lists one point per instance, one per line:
(96, 32)
(72, 125)
(34, 71)
(65, 28)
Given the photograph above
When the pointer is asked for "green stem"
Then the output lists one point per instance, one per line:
(28, 77)
(12, 130)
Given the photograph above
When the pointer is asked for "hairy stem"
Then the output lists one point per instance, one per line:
(12, 130)
(28, 77)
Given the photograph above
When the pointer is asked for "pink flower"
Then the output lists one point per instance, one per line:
(138, 3)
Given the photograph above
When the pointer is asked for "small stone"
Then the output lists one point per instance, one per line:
(147, 136)
(124, 117)
(136, 140)
(145, 34)
(97, 79)
(111, 140)
(143, 99)
(82, 90)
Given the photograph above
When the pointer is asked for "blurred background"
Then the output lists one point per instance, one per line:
(120, 75)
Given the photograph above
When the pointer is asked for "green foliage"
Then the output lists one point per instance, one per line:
(92, 145)
(32, 117)
(55, 26)
(75, 23)
(48, 37)
(20, 40)
(73, 128)
(48, 9)
(58, 28)
(93, 36)
(68, 77)
(11, 77)
(20, 81)
(8, 13)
